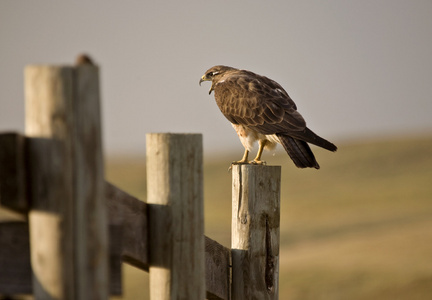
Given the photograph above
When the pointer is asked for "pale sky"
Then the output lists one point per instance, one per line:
(354, 68)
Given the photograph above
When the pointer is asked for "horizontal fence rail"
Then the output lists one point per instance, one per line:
(128, 227)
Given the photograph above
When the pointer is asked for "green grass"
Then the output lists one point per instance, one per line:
(358, 228)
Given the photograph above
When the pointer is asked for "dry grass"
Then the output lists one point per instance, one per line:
(358, 228)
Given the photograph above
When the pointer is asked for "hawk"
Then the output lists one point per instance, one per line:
(260, 110)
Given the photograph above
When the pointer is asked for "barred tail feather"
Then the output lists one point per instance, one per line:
(299, 151)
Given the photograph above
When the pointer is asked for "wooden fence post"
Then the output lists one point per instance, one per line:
(68, 223)
(176, 220)
(48, 93)
(255, 231)
(91, 224)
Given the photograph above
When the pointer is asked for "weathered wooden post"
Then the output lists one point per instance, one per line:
(176, 220)
(48, 93)
(68, 223)
(255, 232)
(91, 224)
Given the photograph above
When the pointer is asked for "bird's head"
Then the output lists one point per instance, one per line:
(214, 74)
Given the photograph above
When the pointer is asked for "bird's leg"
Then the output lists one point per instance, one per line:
(257, 160)
(243, 161)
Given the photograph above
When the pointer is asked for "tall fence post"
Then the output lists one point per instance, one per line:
(49, 96)
(68, 222)
(176, 219)
(255, 231)
(91, 220)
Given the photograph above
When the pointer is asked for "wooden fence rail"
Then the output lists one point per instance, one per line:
(80, 227)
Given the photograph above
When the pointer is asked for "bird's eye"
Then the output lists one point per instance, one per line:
(211, 74)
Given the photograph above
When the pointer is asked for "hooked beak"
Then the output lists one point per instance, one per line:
(203, 78)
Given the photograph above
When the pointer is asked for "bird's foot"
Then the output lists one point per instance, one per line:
(239, 162)
(243, 162)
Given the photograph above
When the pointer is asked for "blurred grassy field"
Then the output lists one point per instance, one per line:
(358, 228)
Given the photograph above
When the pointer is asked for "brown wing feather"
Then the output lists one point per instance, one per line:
(261, 104)
(257, 102)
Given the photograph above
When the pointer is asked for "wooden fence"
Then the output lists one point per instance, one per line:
(80, 228)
